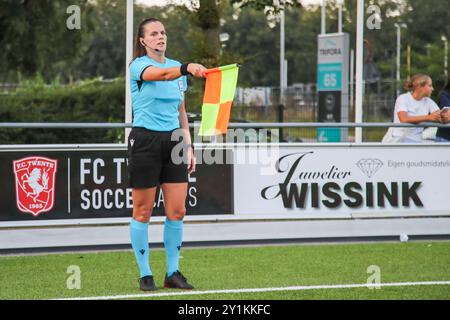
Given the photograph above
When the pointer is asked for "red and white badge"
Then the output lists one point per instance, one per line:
(35, 184)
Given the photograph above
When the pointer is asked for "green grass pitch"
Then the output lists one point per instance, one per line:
(116, 273)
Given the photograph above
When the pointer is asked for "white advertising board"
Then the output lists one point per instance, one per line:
(343, 181)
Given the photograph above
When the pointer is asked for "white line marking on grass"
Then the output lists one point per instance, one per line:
(296, 288)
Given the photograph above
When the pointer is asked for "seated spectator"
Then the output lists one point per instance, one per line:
(415, 107)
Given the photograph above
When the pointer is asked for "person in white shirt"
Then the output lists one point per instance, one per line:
(416, 106)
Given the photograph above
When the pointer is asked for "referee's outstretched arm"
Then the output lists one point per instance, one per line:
(153, 73)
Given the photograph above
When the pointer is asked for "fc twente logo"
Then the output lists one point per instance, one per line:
(35, 184)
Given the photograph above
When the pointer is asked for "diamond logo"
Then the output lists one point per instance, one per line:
(369, 166)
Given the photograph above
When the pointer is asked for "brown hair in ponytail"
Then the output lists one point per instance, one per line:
(139, 49)
(418, 80)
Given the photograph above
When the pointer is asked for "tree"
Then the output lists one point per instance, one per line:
(257, 45)
(427, 22)
(208, 19)
(105, 52)
(35, 38)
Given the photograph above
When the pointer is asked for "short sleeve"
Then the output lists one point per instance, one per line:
(185, 83)
(400, 104)
(137, 67)
(432, 106)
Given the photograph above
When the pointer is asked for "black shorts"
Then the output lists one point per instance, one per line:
(149, 159)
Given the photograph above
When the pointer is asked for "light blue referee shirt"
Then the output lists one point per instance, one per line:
(155, 103)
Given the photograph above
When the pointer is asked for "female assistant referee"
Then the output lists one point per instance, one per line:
(157, 91)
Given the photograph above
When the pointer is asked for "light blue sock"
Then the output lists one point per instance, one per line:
(173, 238)
(139, 242)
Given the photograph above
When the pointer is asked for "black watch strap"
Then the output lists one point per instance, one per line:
(183, 69)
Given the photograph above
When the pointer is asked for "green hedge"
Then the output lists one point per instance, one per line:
(90, 101)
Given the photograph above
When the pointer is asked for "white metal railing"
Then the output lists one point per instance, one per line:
(109, 125)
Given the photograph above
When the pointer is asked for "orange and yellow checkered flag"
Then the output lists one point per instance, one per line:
(219, 93)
